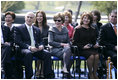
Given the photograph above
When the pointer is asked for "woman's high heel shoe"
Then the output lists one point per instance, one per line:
(37, 74)
(67, 75)
(88, 76)
(96, 77)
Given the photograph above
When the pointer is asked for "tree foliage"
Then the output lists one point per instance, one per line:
(105, 6)
(11, 5)
(19, 5)
(6, 4)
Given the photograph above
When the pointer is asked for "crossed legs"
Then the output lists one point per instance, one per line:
(66, 60)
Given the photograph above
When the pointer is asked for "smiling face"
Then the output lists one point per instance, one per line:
(113, 18)
(66, 19)
(86, 20)
(39, 17)
(29, 18)
(9, 19)
(58, 19)
(58, 22)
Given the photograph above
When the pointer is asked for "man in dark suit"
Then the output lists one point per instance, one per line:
(29, 39)
(6, 52)
(108, 37)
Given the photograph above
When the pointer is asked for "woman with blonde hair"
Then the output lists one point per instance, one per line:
(67, 23)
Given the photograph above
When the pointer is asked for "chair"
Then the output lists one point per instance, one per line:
(3, 74)
(55, 62)
(75, 50)
(18, 61)
(34, 59)
(45, 43)
(101, 71)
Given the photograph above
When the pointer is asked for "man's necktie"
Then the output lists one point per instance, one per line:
(115, 30)
(31, 37)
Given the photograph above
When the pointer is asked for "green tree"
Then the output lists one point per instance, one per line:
(19, 5)
(6, 4)
(105, 6)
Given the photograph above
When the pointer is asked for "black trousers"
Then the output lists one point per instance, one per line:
(6, 63)
(43, 55)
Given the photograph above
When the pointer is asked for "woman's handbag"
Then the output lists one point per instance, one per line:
(74, 50)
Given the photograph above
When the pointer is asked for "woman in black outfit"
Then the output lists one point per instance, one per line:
(85, 38)
(41, 23)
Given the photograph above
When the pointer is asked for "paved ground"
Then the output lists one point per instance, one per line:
(60, 75)
(76, 75)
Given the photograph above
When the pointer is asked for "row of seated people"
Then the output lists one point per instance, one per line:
(31, 44)
(40, 22)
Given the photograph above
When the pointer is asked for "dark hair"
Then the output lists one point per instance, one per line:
(89, 15)
(44, 23)
(69, 10)
(59, 15)
(97, 13)
(10, 13)
(66, 13)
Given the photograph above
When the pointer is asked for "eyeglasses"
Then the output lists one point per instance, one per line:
(57, 20)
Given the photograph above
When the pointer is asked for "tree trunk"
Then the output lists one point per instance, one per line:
(37, 5)
(78, 10)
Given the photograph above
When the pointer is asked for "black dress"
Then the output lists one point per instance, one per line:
(85, 36)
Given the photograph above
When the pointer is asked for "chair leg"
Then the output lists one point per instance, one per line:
(79, 68)
(74, 67)
(35, 70)
(58, 69)
(85, 68)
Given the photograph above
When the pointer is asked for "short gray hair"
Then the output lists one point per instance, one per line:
(114, 11)
(29, 13)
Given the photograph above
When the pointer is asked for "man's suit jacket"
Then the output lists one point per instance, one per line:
(108, 37)
(22, 37)
(6, 33)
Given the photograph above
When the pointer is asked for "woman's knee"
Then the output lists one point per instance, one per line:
(91, 56)
(68, 50)
(97, 56)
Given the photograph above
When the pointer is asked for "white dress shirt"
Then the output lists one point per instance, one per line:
(2, 39)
